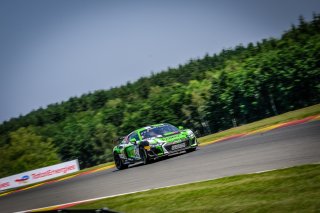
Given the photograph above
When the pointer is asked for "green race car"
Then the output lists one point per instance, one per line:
(152, 142)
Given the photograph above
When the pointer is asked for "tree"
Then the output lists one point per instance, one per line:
(26, 151)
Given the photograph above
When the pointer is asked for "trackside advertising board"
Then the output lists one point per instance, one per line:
(38, 175)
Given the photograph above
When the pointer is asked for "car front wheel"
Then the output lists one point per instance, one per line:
(119, 164)
(144, 156)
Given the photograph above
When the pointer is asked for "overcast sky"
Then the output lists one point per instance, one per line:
(52, 50)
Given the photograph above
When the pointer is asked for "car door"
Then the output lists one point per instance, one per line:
(133, 139)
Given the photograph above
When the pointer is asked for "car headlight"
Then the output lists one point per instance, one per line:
(191, 135)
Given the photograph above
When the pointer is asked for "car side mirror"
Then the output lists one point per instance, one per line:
(181, 128)
(133, 140)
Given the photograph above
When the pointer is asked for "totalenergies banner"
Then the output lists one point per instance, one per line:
(39, 175)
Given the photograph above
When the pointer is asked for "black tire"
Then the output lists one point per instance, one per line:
(119, 164)
(144, 156)
(144, 143)
(191, 149)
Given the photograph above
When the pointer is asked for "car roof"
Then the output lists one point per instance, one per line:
(151, 126)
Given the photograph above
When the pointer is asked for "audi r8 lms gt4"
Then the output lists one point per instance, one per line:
(153, 142)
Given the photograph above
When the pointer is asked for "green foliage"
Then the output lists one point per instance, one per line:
(26, 151)
(235, 87)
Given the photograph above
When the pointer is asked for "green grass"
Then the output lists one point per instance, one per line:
(289, 116)
(295, 189)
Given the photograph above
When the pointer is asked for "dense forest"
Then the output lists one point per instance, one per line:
(210, 94)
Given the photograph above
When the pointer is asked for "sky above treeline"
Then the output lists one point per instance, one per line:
(53, 50)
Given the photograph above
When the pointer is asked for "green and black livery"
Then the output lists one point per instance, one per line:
(152, 142)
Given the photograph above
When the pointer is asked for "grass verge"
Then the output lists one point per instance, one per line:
(295, 189)
(289, 116)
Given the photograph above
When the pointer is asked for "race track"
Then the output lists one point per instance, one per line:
(279, 148)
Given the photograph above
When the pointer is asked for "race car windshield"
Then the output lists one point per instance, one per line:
(157, 131)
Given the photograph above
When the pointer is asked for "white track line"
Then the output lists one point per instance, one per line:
(144, 190)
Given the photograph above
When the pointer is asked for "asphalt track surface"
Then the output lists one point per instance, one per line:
(279, 148)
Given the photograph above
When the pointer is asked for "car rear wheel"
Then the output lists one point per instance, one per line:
(119, 164)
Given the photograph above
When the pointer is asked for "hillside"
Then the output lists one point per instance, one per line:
(214, 93)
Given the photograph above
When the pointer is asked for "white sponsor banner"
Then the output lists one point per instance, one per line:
(39, 175)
